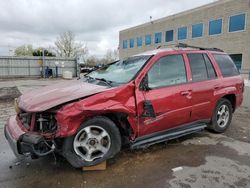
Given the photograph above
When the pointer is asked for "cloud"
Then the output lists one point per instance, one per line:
(96, 23)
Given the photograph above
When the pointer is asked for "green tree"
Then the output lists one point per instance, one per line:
(24, 50)
(39, 52)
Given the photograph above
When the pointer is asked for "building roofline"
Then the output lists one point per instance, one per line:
(217, 2)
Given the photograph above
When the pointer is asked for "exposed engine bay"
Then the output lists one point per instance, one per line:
(39, 141)
(46, 123)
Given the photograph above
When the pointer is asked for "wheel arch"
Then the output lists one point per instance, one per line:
(232, 99)
(121, 121)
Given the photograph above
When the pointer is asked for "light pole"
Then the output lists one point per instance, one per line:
(41, 66)
(43, 62)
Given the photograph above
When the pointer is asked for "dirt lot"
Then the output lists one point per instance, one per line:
(207, 160)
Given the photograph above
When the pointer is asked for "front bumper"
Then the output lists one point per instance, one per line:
(13, 132)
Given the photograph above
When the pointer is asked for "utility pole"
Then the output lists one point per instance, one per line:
(43, 57)
(42, 68)
(44, 71)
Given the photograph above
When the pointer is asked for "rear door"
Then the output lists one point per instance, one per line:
(204, 83)
(169, 95)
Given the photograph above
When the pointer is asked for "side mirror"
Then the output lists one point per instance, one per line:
(144, 84)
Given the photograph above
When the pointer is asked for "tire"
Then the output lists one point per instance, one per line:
(96, 140)
(218, 123)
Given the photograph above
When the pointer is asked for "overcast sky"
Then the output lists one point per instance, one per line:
(96, 22)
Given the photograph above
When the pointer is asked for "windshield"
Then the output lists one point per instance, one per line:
(121, 71)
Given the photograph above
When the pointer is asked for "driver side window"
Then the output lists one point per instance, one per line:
(167, 71)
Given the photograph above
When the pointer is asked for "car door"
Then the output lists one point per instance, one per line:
(167, 98)
(204, 84)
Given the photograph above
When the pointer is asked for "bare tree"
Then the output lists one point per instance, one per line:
(110, 56)
(66, 46)
(92, 61)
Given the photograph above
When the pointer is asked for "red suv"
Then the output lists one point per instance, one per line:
(145, 99)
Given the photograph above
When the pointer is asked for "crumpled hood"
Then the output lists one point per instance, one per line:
(50, 96)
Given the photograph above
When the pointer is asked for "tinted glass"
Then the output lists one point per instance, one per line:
(237, 59)
(167, 71)
(158, 37)
(125, 44)
(198, 67)
(148, 39)
(215, 27)
(131, 43)
(210, 69)
(237, 23)
(226, 65)
(197, 30)
(169, 35)
(182, 33)
(139, 41)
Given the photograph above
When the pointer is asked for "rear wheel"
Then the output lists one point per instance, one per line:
(222, 116)
(97, 140)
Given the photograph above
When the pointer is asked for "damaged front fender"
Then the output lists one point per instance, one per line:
(117, 100)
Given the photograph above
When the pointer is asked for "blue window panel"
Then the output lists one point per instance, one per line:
(182, 33)
(148, 39)
(215, 27)
(139, 41)
(237, 22)
(197, 30)
(131, 43)
(125, 44)
(169, 36)
(158, 37)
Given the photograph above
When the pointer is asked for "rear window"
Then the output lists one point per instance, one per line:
(226, 65)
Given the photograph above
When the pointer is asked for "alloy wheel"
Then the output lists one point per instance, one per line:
(91, 142)
(223, 116)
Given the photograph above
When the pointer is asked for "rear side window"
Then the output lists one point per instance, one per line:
(201, 67)
(226, 65)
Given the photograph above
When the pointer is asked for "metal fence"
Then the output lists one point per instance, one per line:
(245, 73)
(11, 66)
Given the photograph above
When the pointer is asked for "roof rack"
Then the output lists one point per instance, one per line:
(184, 45)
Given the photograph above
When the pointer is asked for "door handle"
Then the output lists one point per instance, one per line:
(185, 93)
(217, 87)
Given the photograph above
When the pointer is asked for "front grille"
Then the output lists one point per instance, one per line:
(25, 118)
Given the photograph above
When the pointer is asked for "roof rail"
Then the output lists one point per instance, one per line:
(184, 45)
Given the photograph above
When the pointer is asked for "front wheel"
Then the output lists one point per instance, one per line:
(222, 116)
(97, 140)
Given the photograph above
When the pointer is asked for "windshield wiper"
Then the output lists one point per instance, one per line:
(89, 78)
(108, 82)
(104, 80)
